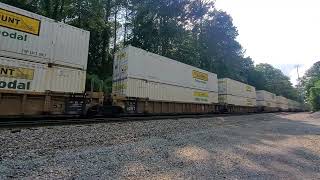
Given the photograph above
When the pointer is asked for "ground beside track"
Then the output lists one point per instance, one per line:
(262, 146)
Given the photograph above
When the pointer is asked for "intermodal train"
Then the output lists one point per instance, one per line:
(43, 67)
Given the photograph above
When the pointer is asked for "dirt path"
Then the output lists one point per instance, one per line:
(268, 146)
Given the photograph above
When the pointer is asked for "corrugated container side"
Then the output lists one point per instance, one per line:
(153, 67)
(231, 87)
(266, 99)
(66, 80)
(267, 104)
(42, 40)
(71, 46)
(138, 73)
(266, 96)
(164, 92)
(22, 76)
(237, 100)
(282, 103)
(236, 93)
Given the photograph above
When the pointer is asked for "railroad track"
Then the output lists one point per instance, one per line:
(21, 123)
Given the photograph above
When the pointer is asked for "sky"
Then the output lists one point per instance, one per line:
(284, 33)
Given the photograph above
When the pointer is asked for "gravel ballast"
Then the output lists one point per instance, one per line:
(260, 146)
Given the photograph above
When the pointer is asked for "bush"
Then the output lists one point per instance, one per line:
(98, 84)
(314, 98)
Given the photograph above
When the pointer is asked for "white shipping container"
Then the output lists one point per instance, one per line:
(23, 76)
(231, 87)
(282, 103)
(293, 104)
(141, 74)
(163, 92)
(266, 99)
(28, 36)
(266, 96)
(267, 104)
(237, 100)
(236, 93)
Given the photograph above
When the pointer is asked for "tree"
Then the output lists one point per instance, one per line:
(310, 83)
(29, 5)
(310, 78)
(276, 82)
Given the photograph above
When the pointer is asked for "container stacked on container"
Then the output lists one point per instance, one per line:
(294, 105)
(283, 103)
(38, 54)
(236, 93)
(266, 99)
(141, 74)
(290, 104)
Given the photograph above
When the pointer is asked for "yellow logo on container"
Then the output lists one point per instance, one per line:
(15, 72)
(120, 86)
(122, 56)
(249, 89)
(19, 22)
(201, 94)
(200, 75)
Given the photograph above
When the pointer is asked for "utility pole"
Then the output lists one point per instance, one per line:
(297, 66)
(299, 85)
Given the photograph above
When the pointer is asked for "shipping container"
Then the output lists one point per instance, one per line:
(237, 100)
(266, 96)
(282, 103)
(267, 104)
(294, 105)
(31, 37)
(23, 76)
(236, 93)
(141, 74)
(266, 99)
(231, 87)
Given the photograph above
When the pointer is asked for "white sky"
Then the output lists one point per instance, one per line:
(283, 33)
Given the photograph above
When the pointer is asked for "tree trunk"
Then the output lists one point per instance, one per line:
(115, 33)
(125, 25)
(55, 10)
(106, 39)
(61, 10)
(47, 8)
(79, 12)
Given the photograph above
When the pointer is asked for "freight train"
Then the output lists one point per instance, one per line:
(43, 67)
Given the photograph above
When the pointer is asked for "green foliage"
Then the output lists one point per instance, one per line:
(310, 79)
(94, 83)
(275, 81)
(314, 98)
(310, 83)
(30, 5)
(317, 84)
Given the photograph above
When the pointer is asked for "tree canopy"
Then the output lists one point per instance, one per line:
(190, 31)
(310, 85)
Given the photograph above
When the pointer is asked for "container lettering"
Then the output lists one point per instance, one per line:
(14, 35)
(201, 94)
(15, 85)
(18, 73)
(19, 22)
(200, 76)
